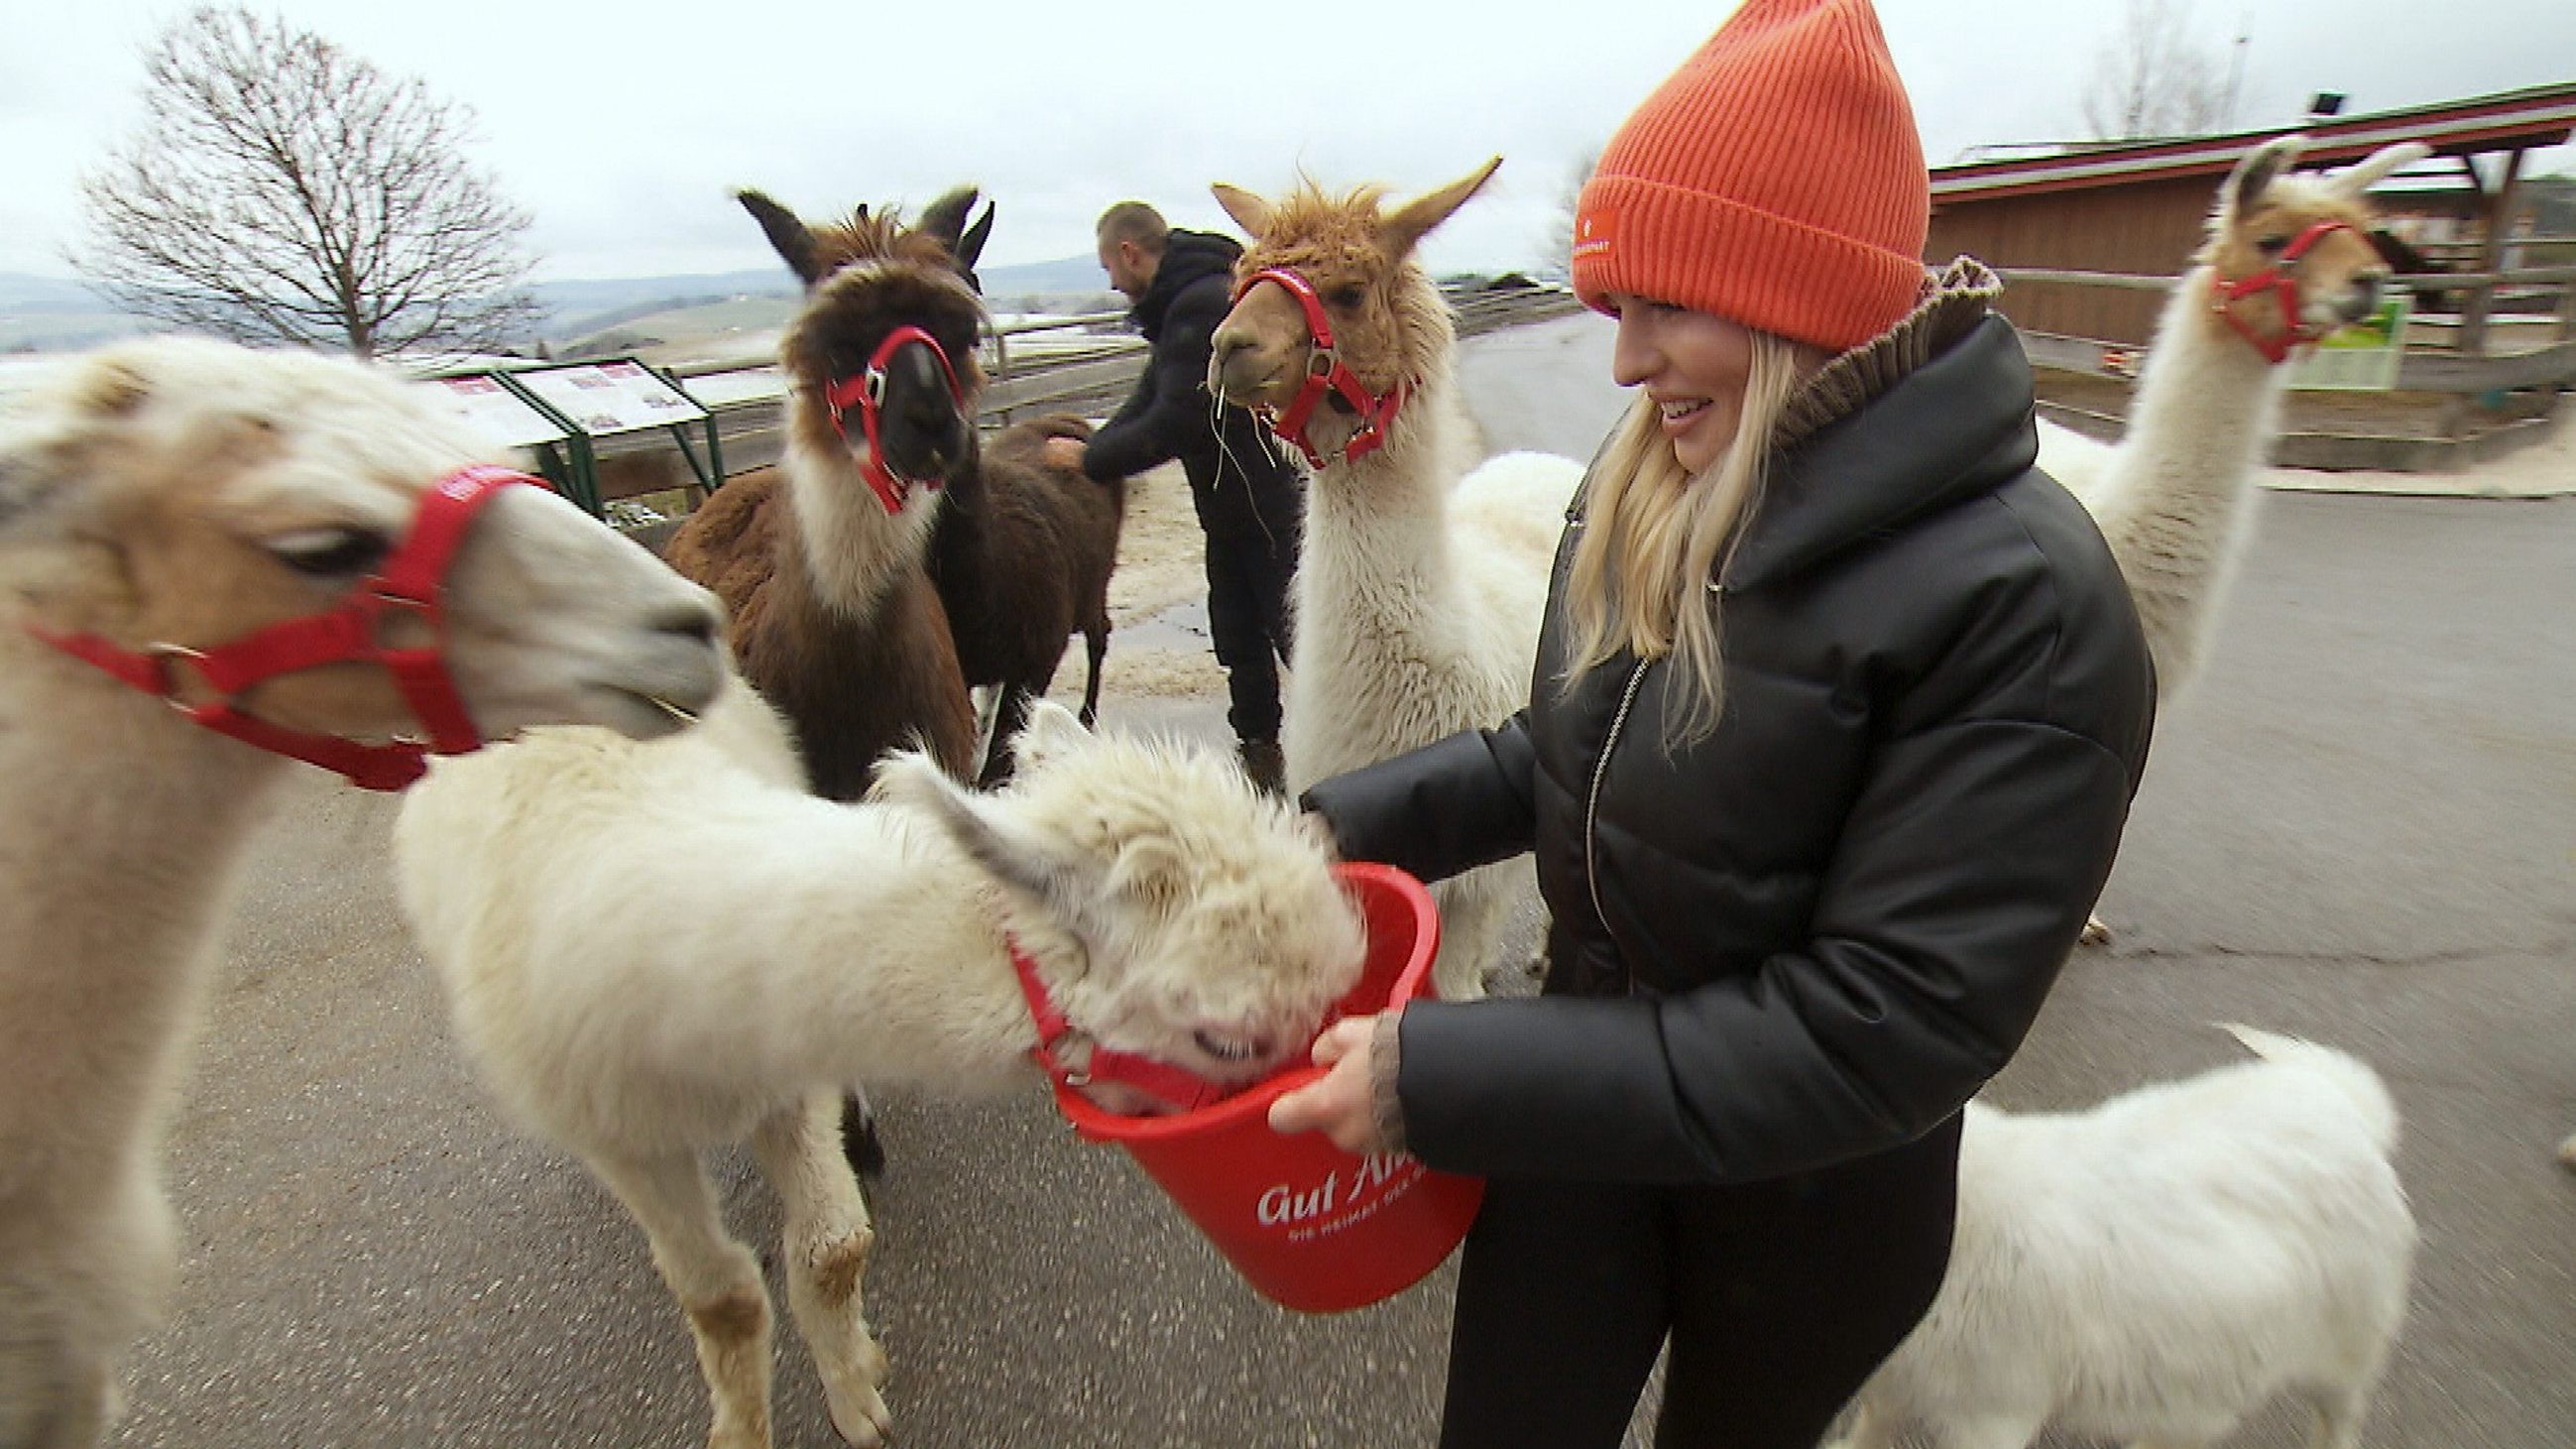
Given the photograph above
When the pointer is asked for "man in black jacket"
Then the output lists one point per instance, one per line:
(1249, 497)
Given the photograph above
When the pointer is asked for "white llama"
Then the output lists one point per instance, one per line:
(1420, 586)
(653, 950)
(2175, 498)
(2157, 1268)
(169, 498)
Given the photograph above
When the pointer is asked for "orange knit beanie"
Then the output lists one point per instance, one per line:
(1775, 179)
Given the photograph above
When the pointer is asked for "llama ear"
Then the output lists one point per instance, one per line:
(946, 217)
(2255, 174)
(794, 244)
(990, 834)
(970, 247)
(1050, 732)
(1250, 212)
(1154, 871)
(2378, 166)
(1414, 220)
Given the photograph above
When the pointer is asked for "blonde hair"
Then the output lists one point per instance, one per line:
(1655, 538)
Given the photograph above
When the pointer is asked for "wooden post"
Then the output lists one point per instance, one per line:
(2499, 224)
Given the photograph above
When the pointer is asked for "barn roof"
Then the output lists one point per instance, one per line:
(2507, 121)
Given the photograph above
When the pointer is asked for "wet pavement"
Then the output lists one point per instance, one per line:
(2360, 826)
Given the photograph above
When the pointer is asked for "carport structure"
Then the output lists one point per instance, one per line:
(2137, 207)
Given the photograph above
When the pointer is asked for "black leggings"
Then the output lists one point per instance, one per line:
(1780, 1297)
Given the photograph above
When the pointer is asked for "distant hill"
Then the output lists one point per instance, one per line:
(1065, 274)
(42, 314)
(20, 291)
(55, 314)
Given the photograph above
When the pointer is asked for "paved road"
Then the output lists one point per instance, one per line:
(2362, 826)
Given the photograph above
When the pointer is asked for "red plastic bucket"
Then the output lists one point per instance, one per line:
(1310, 1226)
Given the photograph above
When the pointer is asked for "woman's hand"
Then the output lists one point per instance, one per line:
(1065, 453)
(1341, 1106)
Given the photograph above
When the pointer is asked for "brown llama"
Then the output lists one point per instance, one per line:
(1022, 551)
(1022, 558)
(822, 559)
(195, 534)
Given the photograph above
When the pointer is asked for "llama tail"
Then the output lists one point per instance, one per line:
(2368, 1093)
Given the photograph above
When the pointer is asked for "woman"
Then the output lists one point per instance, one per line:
(1838, 711)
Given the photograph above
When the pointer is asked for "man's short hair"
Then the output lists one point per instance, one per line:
(1134, 221)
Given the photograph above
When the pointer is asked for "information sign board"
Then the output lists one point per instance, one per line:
(496, 412)
(2362, 357)
(604, 398)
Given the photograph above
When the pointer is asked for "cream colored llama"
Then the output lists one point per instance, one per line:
(2176, 497)
(174, 496)
(1419, 585)
(653, 950)
(2155, 1269)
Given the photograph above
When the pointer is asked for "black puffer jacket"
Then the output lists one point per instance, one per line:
(1167, 416)
(1813, 935)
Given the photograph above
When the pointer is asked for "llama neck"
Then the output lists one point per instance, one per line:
(2181, 483)
(880, 954)
(1377, 530)
(2206, 408)
(121, 849)
(850, 550)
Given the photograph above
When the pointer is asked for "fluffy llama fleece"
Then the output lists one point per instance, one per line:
(652, 951)
(2159, 1267)
(2176, 498)
(193, 492)
(1420, 585)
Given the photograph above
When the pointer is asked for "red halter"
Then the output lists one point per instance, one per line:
(868, 389)
(2274, 278)
(411, 580)
(1175, 1087)
(1325, 372)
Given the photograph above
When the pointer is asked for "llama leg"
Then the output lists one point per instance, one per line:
(824, 1247)
(1870, 1429)
(1010, 715)
(2004, 1431)
(2339, 1408)
(2567, 1152)
(716, 1279)
(1470, 935)
(861, 1143)
(1095, 647)
(54, 1398)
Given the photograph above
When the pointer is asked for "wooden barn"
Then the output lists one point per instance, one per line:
(2138, 207)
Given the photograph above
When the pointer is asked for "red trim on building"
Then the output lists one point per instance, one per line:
(2511, 120)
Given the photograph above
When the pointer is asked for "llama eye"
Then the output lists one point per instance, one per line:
(1346, 297)
(2272, 245)
(331, 552)
(1226, 1050)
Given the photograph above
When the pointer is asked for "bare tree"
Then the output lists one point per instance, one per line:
(2156, 76)
(1556, 242)
(284, 190)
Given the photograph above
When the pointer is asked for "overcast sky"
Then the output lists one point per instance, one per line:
(622, 128)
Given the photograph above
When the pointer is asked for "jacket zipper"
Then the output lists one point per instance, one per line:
(1592, 812)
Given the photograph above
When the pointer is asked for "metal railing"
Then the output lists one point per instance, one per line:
(1090, 376)
(2468, 364)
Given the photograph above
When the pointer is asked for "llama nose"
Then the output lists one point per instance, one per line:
(1223, 350)
(695, 620)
